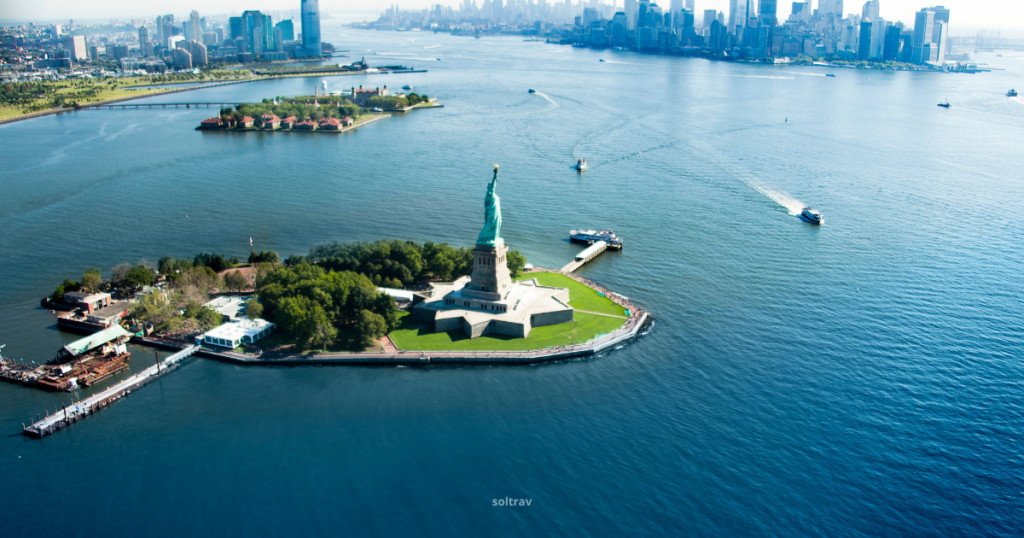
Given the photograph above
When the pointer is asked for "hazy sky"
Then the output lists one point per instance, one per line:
(964, 13)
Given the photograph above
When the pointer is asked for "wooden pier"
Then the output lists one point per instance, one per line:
(69, 415)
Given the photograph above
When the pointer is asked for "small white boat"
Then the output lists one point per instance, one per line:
(811, 215)
(581, 165)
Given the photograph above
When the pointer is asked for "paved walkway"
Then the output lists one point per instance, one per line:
(601, 314)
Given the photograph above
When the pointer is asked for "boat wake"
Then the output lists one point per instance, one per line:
(550, 100)
(792, 205)
(433, 46)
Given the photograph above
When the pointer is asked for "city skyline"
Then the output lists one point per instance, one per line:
(969, 14)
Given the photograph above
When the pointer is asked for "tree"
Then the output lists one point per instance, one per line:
(91, 280)
(140, 276)
(370, 327)
(253, 309)
(66, 286)
(515, 261)
(234, 280)
(384, 305)
(119, 272)
(204, 315)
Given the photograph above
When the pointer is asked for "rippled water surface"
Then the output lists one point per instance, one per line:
(862, 378)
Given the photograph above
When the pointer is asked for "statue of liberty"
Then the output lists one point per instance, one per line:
(489, 235)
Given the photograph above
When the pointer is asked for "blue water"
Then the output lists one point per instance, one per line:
(862, 378)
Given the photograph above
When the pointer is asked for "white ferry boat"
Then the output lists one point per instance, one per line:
(581, 165)
(593, 236)
(811, 215)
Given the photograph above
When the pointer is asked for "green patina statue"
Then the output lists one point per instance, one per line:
(489, 235)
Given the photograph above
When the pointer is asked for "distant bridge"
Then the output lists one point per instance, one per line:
(134, 106)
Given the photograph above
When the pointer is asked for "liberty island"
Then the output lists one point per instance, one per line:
(488, 302)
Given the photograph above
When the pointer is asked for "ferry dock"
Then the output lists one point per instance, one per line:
(67, 416)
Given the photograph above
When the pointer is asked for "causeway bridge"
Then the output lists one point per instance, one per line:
(140, 106)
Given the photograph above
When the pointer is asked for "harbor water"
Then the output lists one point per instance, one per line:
(861, 378)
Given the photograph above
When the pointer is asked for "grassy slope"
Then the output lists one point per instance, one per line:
(416, 337)
(580, 297)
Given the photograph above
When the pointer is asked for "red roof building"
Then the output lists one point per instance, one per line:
(347, 121)
(305, 125)
(288, 122)
(330, 124)
(211, 123)
(270, 121)
(246, 122)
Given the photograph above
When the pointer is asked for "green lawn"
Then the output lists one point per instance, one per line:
(580, 297)
(417, 337)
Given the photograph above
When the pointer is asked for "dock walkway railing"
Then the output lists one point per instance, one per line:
(83, 408)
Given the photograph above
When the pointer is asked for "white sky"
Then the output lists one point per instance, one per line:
(964, 14)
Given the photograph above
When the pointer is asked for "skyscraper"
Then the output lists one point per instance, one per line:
(924, 27)
(195, 29)
(311, 27)
(675, 6)
(630, 8)
(737, 14)
(870, 10)
(287, 30)
(710, 16)
(145, 47)
(767, 11)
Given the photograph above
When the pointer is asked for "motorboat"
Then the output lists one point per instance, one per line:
(833, 75)
(581, 165)
(811, 215)
(601, 60)
(532, 90)
(1011, 93)
(944, 105)
(407, 87)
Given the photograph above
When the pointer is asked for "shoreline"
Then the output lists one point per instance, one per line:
(214, 84)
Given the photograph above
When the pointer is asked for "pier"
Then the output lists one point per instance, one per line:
(588, 254)
(83, 408)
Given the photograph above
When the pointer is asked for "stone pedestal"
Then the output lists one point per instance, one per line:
(490, 280)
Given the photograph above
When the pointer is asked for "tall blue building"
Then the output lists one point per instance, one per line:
(311, 27)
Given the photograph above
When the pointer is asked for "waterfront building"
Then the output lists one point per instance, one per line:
(198, 53)
(246, 122)
(488, 301)
(619, 27)
(924, 26)
(329, 124)
(360, 96)
(893, 44)
(311, 28)
(181, 59)
(864, 44)
(237, 333)
(288, 122)
(211, 123)
(88, 302)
